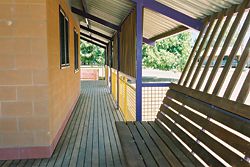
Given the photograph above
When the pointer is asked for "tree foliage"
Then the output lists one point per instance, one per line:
(91, 54)
(168, 54)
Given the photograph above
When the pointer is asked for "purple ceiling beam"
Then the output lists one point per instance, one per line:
(172, 13)
(95, 32)
(148, 41)
(93, 38)
(96, 19)
(92, 42)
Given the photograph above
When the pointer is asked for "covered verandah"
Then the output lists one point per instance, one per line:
(90, 137)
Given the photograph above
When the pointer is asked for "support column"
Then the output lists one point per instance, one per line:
(139, 37)
(110, 65)
(106, 65)
(118, 67)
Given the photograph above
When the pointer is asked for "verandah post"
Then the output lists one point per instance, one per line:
(110, 65)
(139, 37)
(118, 67)
(106, 65)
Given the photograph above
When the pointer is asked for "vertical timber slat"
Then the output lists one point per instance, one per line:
(226, 45)
(236, 75)
(211, 38)
(190, 72)
(197, 43)
(232, 55)
(244, 90)
(215, 48)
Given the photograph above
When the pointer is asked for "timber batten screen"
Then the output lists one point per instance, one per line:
(115, 53)
(212, 74)
(128, 45)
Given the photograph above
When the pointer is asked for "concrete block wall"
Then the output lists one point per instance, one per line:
(64, 84)
(23, 73)
(34, 103)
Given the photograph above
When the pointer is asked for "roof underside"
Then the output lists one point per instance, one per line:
(155, 24)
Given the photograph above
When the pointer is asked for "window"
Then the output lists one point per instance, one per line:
(76, 48)
(64, 39)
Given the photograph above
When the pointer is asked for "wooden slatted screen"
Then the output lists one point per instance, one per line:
(209, 67)
(115, 53)
(108, 61)
(128, 45)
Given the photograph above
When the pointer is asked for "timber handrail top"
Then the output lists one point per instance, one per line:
(216, 101)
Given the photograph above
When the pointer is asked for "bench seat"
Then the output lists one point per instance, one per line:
(189, 132)
(146, 144)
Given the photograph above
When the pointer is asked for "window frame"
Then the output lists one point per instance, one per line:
(76, 50)
(64, 43)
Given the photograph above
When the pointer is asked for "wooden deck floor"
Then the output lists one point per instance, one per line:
(90, 137)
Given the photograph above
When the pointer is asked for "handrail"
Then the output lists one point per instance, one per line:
(127, 76)
(156, 84)
(128, 84)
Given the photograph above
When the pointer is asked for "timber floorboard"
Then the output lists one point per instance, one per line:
(90, 137)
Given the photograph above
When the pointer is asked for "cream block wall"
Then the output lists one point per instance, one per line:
(64, 84)
(23, 73)
(35, 94)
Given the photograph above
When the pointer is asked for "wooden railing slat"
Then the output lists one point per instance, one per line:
(230, 138)
(228, 105)
(199, 150)
(227, 119)
(214, 145)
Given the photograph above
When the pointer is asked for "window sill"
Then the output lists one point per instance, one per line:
(65, 66)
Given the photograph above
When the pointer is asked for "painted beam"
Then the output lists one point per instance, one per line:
(93, 38)
(139, 36)
(96, 19)
(94, 43)
(170, 33)
(172, 13)
(148, 41)
(156, 84)
(95, 32)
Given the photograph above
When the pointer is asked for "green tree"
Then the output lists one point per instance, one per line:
(168, 54)
(91, 54)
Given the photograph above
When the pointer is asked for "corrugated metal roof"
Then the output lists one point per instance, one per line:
(199, 8)
(115, 11)
(156, 23)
